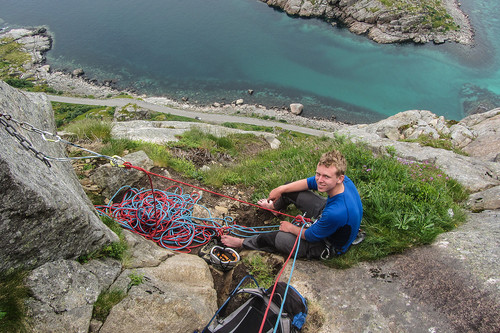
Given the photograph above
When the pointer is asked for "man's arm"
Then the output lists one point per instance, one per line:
(292, 228)
(296, 186)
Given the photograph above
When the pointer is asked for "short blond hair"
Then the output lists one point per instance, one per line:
(336, 159)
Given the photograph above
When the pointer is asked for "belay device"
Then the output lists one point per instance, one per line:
(249, 316)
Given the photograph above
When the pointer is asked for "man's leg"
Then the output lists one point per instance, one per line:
(262, 242)
(308, 202)
(285, 241)
(276, 241)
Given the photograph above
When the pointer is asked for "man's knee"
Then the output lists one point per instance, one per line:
(284, 242)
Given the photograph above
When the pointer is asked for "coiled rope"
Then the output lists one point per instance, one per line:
(167, 217)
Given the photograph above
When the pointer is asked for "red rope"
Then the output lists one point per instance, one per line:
(276, 283)
(128, 165)
(155, 213)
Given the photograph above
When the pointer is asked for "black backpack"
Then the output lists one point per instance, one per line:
(248, 317)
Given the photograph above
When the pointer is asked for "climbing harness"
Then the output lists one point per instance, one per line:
(330, 251)
(48, 137)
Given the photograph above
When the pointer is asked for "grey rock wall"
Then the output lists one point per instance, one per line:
(44, 212)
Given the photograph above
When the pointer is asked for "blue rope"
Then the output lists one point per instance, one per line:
(167, 218)
(289, 279)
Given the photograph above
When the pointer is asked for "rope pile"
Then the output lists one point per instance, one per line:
(167, 218)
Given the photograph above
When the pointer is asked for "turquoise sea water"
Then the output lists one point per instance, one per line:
(215, 50)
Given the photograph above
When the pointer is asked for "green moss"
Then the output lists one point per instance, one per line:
(12, 55)
(13, 293)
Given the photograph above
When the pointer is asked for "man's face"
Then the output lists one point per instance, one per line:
(327, 180)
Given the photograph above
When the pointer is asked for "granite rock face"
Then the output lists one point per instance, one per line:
(110, 179)
(63, 297)
(176, 296)
(45, 214)
(378, 22)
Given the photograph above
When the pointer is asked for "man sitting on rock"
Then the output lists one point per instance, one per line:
(338, 217)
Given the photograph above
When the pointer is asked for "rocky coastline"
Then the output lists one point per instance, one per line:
(382, 24)
(38, 41)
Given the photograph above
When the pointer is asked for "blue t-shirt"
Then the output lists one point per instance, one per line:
(340, 220)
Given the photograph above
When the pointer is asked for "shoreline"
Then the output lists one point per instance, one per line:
(466, 32)
(75, 83)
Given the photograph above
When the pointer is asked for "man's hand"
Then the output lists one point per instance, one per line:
(286, 226)
(275, 194)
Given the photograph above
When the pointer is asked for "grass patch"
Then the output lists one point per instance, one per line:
(432, 13)
(442, 142)
(160, 116)
(105, 303)
(13, 293)
(135, 279)
(123, 95)
(90, 130)
(19, 83)
(405, 204)
(65, 113)
(12, 57)
(260, 269)
(233, 145)
(249, 127)
(116, 250)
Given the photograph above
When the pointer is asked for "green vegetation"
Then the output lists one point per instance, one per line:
(249, 127)
(123, 95)
(232, 146)
(29, 85)
(160, 116)
(13, 293)
(406, 204)
(12, 57)
(261, 270)
(65, 113)
(19, 83)
(105, 303)
(443, 142)
(135, 279)
(90, 129)
(432, 12)
(116, 250)
(266, 117)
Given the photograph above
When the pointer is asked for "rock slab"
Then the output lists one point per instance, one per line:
(45, 214)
